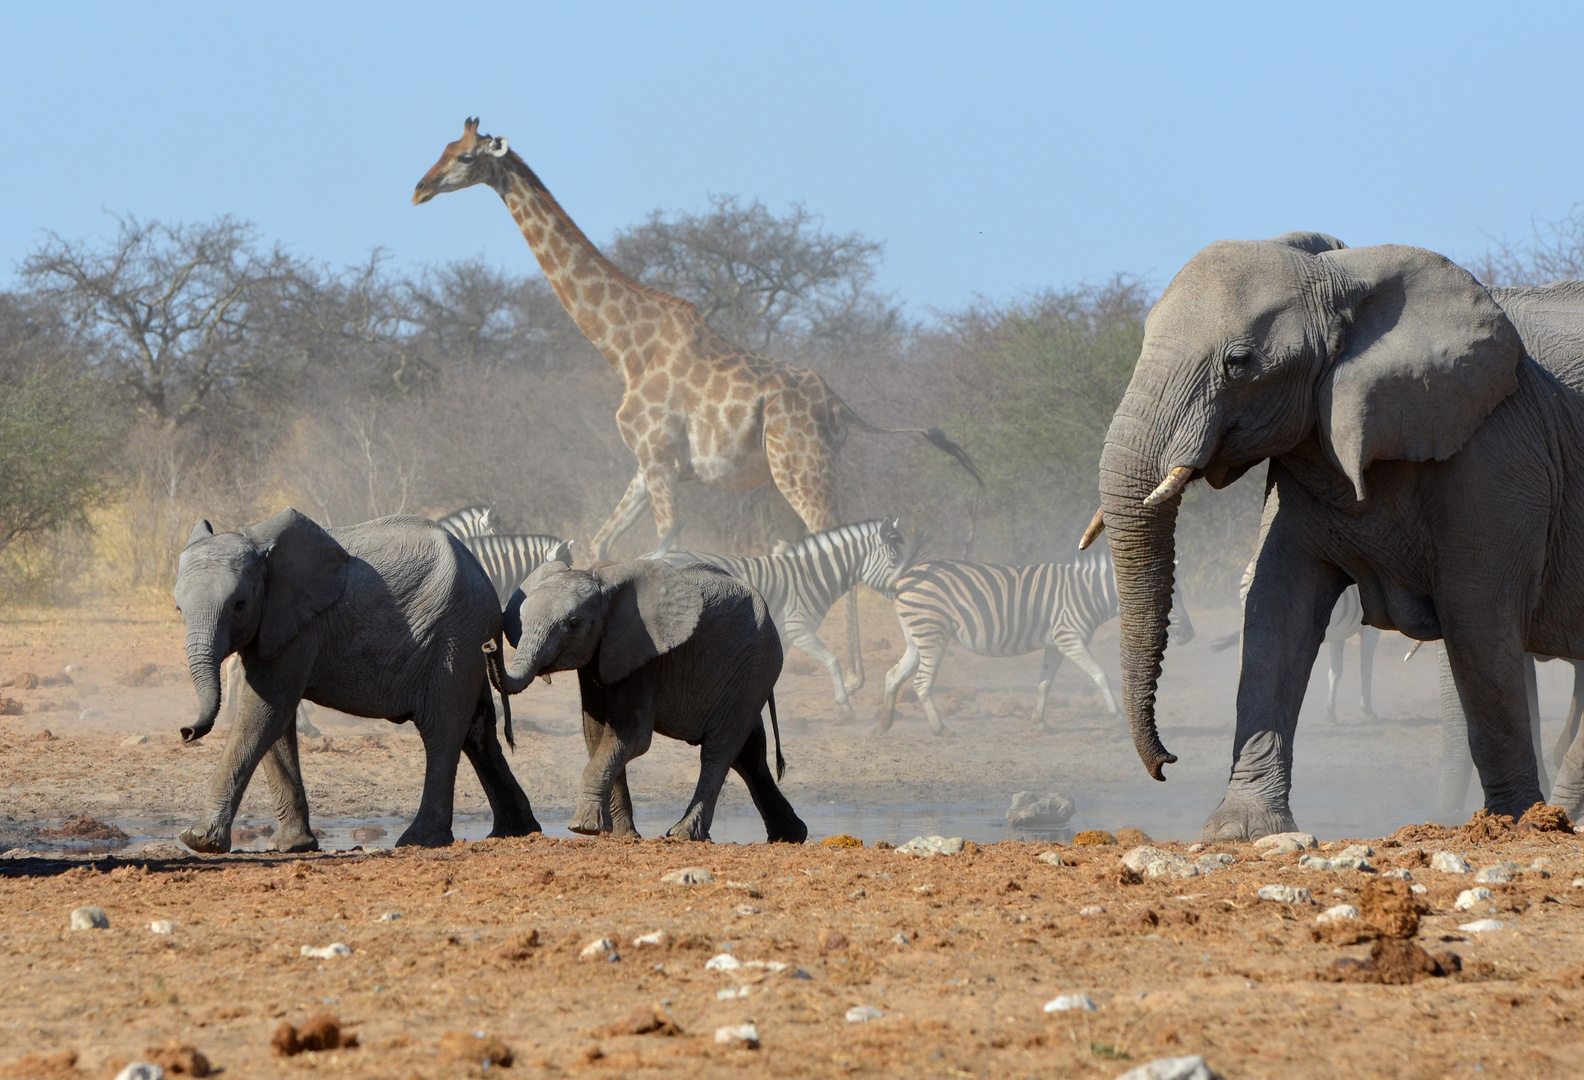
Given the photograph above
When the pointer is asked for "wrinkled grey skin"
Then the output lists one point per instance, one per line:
(686, 651)
(384, 619)
(1415, 448)
(1457, 765)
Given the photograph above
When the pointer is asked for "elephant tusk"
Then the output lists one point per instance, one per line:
(546, 679)
(1175, 481)
(1411, 651)
(1096, 527)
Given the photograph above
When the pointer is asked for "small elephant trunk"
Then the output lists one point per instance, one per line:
(525, 666)
(205, 651)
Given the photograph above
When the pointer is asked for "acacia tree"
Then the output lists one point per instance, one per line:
(1554, 251)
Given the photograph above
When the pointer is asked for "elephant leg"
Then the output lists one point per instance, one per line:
(801, 636)
(1077, 650)
(1532, 698)
(621, 809)
(715, 761)
(1048, 669)
(1456, 764)
(855, 669)
(1570, 728)
(509, 804)
(782, 825)
(444, 727)
(633, 503)
(283, 772)
(1369, 638)
(1333, 677)
(1284, 621)
(1488, 666)
(256, 728)
(616, 729)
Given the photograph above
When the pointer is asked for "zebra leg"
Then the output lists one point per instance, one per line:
(1053, 659)
(1369, 638)
(632, 503)
(924, 682)
(855, 676)
(1333, 677)
(1078, 652)
(900, 672)
(801, 637)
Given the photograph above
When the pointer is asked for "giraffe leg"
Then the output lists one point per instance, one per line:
(632, 504)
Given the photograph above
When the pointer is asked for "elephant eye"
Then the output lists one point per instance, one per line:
(574, 621)
(1238, 362)
(240, 604)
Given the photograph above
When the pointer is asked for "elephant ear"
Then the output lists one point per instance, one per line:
(305, 573)
(653, 609)
(1419, 355)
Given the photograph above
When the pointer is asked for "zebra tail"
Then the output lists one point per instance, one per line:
(1222, 644)
(775, 726)
(495, 664)
(934, 436)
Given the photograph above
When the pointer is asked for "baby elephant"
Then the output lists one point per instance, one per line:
(685, 651)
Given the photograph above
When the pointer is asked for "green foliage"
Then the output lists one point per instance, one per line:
(52, 454)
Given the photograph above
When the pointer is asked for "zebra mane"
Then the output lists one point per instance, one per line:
(814, 542)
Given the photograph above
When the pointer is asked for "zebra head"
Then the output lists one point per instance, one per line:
(885, 555)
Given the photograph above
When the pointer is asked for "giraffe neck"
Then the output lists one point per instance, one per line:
(616, 313)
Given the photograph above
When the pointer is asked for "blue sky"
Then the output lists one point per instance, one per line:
(996, 149)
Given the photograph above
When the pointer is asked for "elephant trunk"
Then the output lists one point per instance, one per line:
(1143, 547)
(207, 646)
(532, 657)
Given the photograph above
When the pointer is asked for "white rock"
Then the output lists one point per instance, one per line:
(597, 948)
(1286, 894)
(1070, 1003)
(1216, 861)
(723, 962)
(1398, 874)
(1479, 926)
(1341, 911)
(901, 938)
(133, 740)
(1172, 1068)
(656, 937)
(1052, 858)
(141, 1070)
(1418, 890)
(859, 1014)
(1469, 897)
(1495, 875)
(744, 1035)
(1031, 811)
(1448, 863)
(90, 918)
(1314, 862)
(731, 993)
(327, 952)
(746, 909)
(1357, 851)
(1092, 909)
(389, 916)
(1156, 863)
(162, 926)
(69, 668)
(1576, 883)
(931, 845)
(1286, 843)
(1195, 848)
(24, 853)
(688, 875)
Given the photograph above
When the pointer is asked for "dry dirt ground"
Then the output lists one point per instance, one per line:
(994, 935)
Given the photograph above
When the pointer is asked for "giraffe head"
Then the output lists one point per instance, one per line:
(472, 159)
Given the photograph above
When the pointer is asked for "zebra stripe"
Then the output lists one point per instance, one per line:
(509, 559)
(801, 581)
(1007, 611)
(469, 521)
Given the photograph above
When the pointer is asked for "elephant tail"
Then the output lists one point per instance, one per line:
(775, 727)
(495, 664)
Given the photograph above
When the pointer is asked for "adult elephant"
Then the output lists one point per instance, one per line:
(385, 619)
(1425, 436)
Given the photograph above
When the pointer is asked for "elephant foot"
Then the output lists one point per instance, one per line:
(691, 828)
(294, 840)
(519, 828)
(791, 831)
(210, 841)
(591, 819)
(418, 835)
(1240, 819)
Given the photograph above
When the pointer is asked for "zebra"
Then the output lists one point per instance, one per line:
(1347, 620)
(469, 521)
(801, 581)
(1007, 611)
(508, 559)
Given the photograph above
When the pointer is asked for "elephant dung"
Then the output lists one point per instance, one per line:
(1030, 811)
(179, 1059)
(1093, 838)
(321, 1032)
(1392, 908)
(90, 918)
(841, 841)
(688, 875)
(474, 1048)
(1156, 863)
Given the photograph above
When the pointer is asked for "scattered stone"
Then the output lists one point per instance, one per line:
(1469, 897)
(860, 1014)
(1051, 858)
(1156, 863)
(1448, 863)
(1217, 861)
(1391, 908)
(722, 962)
(1419, 890)
(25, 853)
(1357, 851)
(1286, 894)
(644, 1021)
(1498, 874)
(1092, 910)
(1576, 883)
(1070, 1003)
(925, 846)
(141, 1070)
(1286, 843)
(1543, 818)
(752, 891)
(24, 680)
(363, 834)
(180, 1059)
(474, 1048)
(83, 827)
(10, 706)
(1480, 926)
(134, 740)
(1093, 838)
(688, 875)
(163, 849)
(598, 949)
(1172, 1068)
(746, 909)
(1398, 875)
(857, 894)
(162, 926)
(327, 952)
(731, 993)
(657, 937)
(841, 841)
(900, 938)
(392, 916)
(1030, 811)
(1338, 913)
(743, 1035)
(90, 918)
(831, 940)
(43, 736)
(1195, 848)
(321, 1032)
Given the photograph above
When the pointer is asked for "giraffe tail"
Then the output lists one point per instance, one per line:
(934, 436)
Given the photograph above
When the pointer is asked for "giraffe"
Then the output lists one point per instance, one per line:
(694, 406)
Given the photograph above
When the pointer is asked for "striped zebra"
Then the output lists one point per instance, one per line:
(469, 521)
(509, 559)
(801, 581)
(1007, 611)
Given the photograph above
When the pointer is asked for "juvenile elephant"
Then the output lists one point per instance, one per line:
(1425, 435)
(687, 651)
(384, 619)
